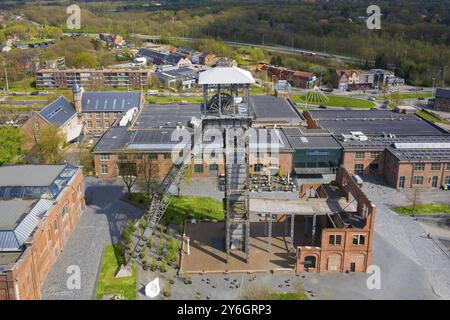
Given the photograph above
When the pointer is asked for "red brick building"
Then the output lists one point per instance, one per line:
(408, 151)
(40, 206)
(345, 238)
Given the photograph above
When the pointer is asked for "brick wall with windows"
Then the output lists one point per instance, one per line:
(24, 280)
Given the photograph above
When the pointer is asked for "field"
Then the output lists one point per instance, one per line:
(335, 101)
(187, 207)
(430, 208)
(107, 283)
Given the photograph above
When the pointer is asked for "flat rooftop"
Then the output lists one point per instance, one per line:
(29, 175)
(166, 115)
(373, 122)
(274, 109)
(298, 140)
(114, 139)
(11, 212)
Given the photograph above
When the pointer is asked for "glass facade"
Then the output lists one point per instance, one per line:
(317, 160)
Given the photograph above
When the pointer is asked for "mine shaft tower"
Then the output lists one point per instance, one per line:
(226, 107)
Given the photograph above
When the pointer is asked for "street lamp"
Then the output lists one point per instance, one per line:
(434, 82)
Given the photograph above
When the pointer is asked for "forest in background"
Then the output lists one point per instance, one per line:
(414, 38)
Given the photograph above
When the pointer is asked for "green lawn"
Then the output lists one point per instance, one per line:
(335, 101)
(288, 296)
(427, 116)
(414, 95)
(168, 100)
(138, 198)
(188, 207)
(107, 283)
(26, 98)
(430, 208)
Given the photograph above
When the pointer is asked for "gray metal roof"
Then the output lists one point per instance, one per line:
(298, 140)
(12, 210)
(155, 139)
(29, 175)
(269, 108)
(110, 101)
(166, 116)
(442, 93)
(58, 112)
(374, 122)
(18, 222)
(114, 139)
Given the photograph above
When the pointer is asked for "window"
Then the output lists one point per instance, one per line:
(335, 239)
(419, 166)
(257, 155)
(116, 115)
(359, 168)
(436, 166)
(123, 157)
(104, 156)
(98, 124)
(359, 155)
(198, 168)
(213, 167)
(138, 156)
(167, 155)
(107, 124)
(104, 168)
(89, 124)
(374, 154)
(447, 180)
(258, 167)
(98, 115)
(37, 131)
(417, 180)
(152, 156)
(212, 155)
(65, 210)
(448, 166)
(88, 115)
(358, 239)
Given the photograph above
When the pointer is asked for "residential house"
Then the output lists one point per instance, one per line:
(61, 114)
(441, 101)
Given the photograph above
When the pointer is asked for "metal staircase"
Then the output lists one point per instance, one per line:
(237, 220)
(163, 196)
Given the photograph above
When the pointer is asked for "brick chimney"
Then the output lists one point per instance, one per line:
(77, 92)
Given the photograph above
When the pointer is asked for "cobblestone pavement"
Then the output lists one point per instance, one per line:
(408, 237)
(100, 225)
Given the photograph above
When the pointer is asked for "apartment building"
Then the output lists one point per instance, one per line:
(40, 206)
(92, 78)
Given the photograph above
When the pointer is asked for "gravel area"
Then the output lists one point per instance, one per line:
(100, 225)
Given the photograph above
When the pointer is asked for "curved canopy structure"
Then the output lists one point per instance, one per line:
(225, 75)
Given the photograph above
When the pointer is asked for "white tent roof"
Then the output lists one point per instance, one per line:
(226, 75)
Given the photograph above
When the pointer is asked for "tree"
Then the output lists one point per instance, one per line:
(85, 158)
(10, 142)
(128, 170)
(148, 175)
(85, 59)
(49, 147)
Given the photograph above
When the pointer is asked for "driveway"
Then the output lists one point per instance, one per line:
(100, 225)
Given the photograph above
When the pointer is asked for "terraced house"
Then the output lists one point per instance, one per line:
(40, 205)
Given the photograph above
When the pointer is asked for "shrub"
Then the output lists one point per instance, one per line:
(153, 266)
(150, 243)
(187, 279)
(163, 267)
(160, 249)
(132, 225)
(167, 291)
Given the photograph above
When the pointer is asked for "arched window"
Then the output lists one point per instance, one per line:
(310, 262)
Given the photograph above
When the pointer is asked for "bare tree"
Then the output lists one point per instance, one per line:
(415, 198)
(148, 175)
(128, 170)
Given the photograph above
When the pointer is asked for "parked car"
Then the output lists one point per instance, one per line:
(358, 180)
(420, 98)
(322, 107)
(34, 93)
(371, 99)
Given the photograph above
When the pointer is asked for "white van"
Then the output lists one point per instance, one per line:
(358, 180)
